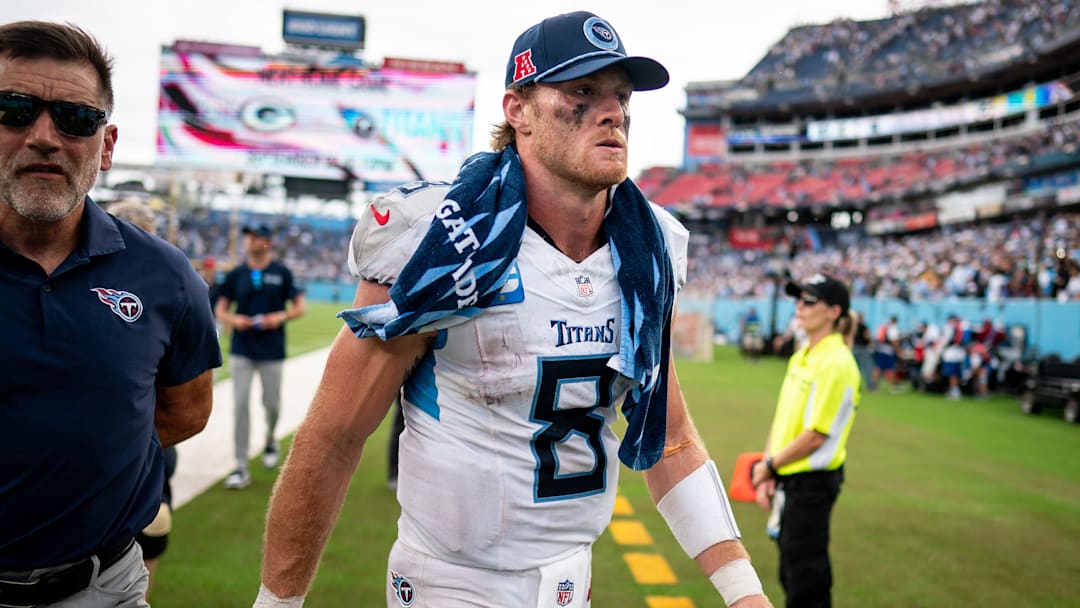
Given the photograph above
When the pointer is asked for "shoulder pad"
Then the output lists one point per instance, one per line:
(388, 232)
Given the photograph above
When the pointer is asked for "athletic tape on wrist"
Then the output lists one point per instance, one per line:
(267, 599)
(698, 512)
(736, 580)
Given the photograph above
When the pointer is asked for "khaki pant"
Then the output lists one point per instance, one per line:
(269, 372)
(123, 585)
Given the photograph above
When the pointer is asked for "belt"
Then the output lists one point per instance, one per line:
(56, 585)
(811, 478)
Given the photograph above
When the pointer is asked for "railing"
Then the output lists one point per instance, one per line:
(1052, 326)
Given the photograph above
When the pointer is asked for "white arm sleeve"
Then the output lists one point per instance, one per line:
(698, 512)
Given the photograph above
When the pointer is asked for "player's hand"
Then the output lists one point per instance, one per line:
(763, 494)
(242, 322)
(753, 601)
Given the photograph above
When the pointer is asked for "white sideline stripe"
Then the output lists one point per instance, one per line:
(206, 458)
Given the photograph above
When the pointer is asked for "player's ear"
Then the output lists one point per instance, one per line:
(516, 110)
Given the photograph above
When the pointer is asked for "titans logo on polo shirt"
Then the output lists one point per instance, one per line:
(125, 304)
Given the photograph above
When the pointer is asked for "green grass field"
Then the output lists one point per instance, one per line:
(946, 503)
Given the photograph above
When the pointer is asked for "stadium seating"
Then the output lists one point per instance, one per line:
(859, 178)
(930, 45)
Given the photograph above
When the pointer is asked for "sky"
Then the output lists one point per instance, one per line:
(696, 40)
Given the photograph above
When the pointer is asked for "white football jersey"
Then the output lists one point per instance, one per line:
(508, 460)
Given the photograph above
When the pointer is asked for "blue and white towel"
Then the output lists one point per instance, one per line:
(488, 199)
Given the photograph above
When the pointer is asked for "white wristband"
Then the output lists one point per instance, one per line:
(267, 599)
(736, 580)
(698, 512)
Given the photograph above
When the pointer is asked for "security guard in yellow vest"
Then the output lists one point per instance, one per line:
(800, 477)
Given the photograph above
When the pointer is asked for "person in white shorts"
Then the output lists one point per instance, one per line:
(517, 310)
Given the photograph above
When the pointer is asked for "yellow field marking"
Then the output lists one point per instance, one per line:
(623, 508)
(629, 532)
(650, 569)
(669, 602)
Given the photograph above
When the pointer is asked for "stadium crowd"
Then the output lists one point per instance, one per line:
(909, 48)
(313, 248)
(859, 178)
(1024, 258)
(1030, 257)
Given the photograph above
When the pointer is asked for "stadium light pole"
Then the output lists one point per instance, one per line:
(779, 274)
(772, 304)
(773, 274)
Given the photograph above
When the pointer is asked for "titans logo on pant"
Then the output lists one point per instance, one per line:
(403, 589)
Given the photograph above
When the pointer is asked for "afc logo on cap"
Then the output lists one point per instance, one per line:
(523, 65)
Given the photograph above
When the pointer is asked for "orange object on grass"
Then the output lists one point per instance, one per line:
(740, 488)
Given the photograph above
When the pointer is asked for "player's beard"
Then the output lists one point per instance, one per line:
(581, 170)
(560, 148)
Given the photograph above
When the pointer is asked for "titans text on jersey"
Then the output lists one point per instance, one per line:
(570, 334)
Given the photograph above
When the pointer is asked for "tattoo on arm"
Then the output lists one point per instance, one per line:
(416, 362)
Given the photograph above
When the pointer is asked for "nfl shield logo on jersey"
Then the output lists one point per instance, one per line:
(564, 594)
(403, 589)
(584, 286)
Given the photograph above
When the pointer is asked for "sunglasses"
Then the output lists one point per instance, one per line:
(74, 119)
(807, 300)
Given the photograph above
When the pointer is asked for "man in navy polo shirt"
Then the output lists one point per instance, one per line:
(259, 288)
(108, 338)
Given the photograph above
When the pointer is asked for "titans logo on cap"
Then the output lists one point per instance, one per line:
(600, 34)
(124, 304)
(574, 45)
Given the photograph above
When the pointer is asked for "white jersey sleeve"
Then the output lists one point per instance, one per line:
(385, 238)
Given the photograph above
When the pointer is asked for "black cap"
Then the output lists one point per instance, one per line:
(575, 45)
(260, 230)
(822, 287)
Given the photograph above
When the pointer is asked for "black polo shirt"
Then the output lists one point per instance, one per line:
(81, 352)
(257, 292)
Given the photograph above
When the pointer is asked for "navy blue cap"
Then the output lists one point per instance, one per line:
(260, 230)
(575, 45)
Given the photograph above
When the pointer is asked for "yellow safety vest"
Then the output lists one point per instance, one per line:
(820, 392)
